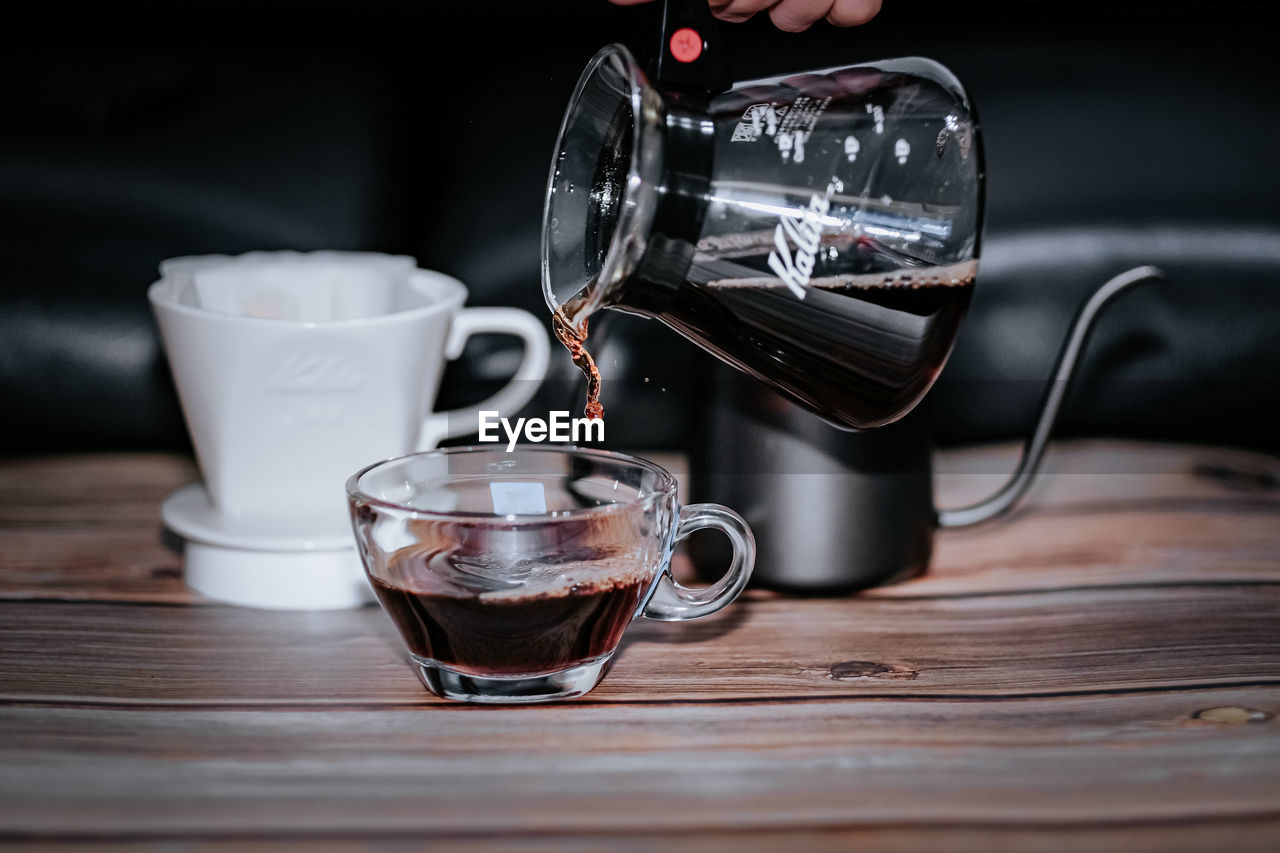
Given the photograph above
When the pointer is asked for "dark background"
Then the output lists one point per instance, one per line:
(1116, 134)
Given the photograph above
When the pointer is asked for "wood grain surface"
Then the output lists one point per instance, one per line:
(1099, 671)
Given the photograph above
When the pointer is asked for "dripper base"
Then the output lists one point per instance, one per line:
(277, 580)
(265, 563)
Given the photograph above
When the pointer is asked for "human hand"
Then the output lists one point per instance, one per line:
(791, 15)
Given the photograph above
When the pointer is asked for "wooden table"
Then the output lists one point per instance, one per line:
(1099, 671)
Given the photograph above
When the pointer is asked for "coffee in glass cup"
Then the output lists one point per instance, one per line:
(512, 576)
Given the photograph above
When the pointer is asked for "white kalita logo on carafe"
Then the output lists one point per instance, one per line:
(805, 233)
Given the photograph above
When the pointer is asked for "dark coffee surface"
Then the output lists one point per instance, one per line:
(560, 615)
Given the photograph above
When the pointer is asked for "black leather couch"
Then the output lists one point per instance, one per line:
(1127, 133)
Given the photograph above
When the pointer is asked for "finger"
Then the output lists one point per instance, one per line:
(628, 2)
(851, 13)
(796, 15)
(736, 11)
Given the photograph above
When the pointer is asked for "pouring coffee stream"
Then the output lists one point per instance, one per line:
(573, 335)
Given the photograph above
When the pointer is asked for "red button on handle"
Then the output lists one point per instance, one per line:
(686, 44)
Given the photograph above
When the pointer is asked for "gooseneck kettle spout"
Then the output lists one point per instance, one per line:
(1059, 384)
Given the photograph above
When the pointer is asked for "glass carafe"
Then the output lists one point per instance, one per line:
(818, 231)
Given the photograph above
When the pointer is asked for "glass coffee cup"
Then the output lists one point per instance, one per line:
(512, 576)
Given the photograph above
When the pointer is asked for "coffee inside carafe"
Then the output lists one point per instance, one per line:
(816, 231)
(859, 351)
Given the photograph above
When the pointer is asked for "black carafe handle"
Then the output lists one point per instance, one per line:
(689, 70)
(689, 56)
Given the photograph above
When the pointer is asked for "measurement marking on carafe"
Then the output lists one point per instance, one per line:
(877, 115)
(758, 120)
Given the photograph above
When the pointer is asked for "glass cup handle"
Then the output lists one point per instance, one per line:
(672, 602)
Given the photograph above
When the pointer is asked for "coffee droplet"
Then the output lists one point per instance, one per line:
(1232, 715)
